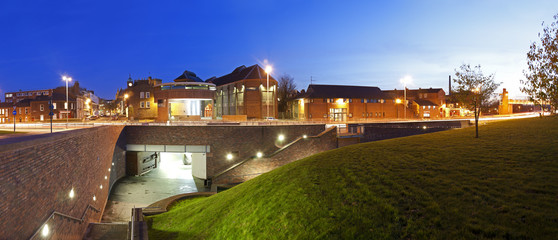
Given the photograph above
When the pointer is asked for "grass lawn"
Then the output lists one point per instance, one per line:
(3, 132)
(445, 185)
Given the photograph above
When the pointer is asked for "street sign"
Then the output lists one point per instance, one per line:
(51, 114)
(14, 107)
(14, 112)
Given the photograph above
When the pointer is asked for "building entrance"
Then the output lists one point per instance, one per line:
(338, 114)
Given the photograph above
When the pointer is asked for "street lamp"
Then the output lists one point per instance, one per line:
(125, 103)
(405, 80)
(67, 79)
(476, 99)
(397, 101)
(268, 70)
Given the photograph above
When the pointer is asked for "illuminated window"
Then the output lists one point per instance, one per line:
(42, 107)
(142, 104)
(54, 105)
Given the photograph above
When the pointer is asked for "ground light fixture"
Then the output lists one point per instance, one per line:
(229, 156)
(45, 230)
(101, 186)
(304, 136)
(94, 198)
(259, 154)
(109, 169)
(105, 177)
(72, 194)
(281, 137)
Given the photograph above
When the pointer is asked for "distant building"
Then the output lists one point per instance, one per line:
(424, 102)
(345, 103)
(244, 93)
(361, 103)
(187, 98)
(139, 103)
(13, 97)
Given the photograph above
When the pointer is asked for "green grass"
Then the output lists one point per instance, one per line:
(4, 132)
(445, 185)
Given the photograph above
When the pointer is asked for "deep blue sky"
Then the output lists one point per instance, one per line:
(368, 43)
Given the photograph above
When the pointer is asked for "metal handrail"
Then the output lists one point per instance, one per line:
(267, 156)
(80, 220)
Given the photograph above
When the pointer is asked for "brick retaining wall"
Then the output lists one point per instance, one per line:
(242, 141)
(37, 175)
(302, 148)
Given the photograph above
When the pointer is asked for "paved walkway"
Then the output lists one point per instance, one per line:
(171, 178)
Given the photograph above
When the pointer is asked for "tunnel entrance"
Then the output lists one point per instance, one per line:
(167, 161)
(156, 172)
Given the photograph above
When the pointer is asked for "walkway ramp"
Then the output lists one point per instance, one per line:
(107, 231)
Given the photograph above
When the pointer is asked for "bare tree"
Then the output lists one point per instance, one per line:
(541, 83)
(474, 90)
(285, 92)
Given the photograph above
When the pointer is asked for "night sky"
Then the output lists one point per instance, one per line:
(369, 43)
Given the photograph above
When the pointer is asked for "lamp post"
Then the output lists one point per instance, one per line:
(397, 101)
(476, 103)
(67, 79)
(268, 71)
(405, 80)
(126, 104)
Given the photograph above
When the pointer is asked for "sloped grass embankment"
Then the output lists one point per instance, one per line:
(445, 185)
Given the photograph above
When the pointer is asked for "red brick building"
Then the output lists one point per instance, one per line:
(360, 103)
(187, 98)
(245, 92)
(140, 103)
(424, 103)
(345, 103)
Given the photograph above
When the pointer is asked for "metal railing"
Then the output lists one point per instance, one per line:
(74, 219)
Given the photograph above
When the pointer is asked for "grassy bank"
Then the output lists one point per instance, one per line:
(444, 185)
(3, 132)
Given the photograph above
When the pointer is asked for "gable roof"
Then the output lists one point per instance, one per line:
(343, 91)
(241, 73)
(424, 102)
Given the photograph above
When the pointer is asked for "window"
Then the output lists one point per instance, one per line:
(142, 104)
(72, 104)
(42, 107)
(325, 100)
(147, 95)
(147, 104)
(311, 100)
(350, 100)
(54, 105)
(141, 94)
(65, 105)
(362, 101)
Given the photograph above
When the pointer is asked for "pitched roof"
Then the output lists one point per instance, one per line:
(241, 73)
(424, 102)
(55, 96)
(22, 103)
(343, 91)
(188, 76)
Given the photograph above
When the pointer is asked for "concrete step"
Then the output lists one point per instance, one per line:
(106, 231)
